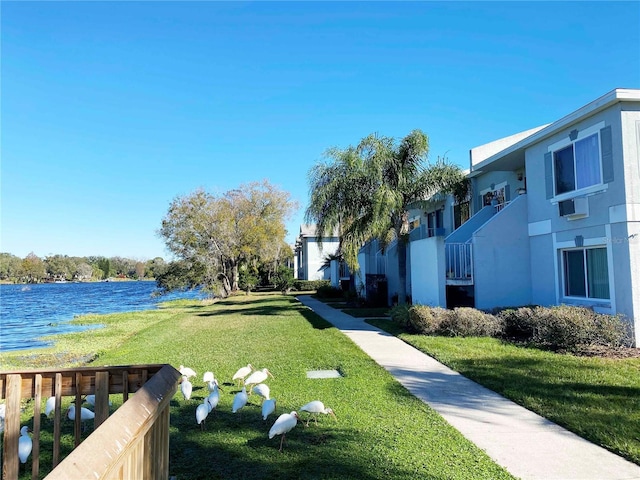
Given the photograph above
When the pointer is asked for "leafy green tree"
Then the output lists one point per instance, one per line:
(10, 266)
(33, 269)
(60, 267)
(155, 267)
(217, 234)
(84, 271)
(105, 266)
(367, 190)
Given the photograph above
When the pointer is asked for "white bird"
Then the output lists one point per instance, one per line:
(3, 409)
(316, 407)
(239, 400)
(258, 376)
(282, 425)
(208, 377)
(25, 444)
(214, 396)
(186, 388)
(49, 406)
(212, 385)
(186, 371)
(85, 414)
(91, 400)
(242, 372)
(268, 407)
(202, 411)
(262, 390)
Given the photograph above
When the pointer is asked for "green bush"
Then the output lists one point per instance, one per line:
(306, 285)
(470, 322)
(327, 291)
(400, 315)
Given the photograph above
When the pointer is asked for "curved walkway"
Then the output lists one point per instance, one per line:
(526, 445)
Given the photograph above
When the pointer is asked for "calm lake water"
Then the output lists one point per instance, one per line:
(28, 312)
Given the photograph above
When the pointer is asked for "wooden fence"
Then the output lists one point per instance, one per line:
(131, 443)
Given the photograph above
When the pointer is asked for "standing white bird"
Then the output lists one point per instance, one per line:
(282, 425)
(212, 385)
(213, 399)
(258, 376)
(49, 406)
(202, 411)
(239, 400)
(262, 390)
(268, 407)
(25, 444)
(316, 407)
(91, 400)
(186, 371)
(242, 372)
(85, 413)
(186, 388)
(3, 409)
(208, 377)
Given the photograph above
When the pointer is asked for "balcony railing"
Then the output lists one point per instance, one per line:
(131, 443)
(422, 232)
(459, 261)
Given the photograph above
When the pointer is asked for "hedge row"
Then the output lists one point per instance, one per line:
(561, 327)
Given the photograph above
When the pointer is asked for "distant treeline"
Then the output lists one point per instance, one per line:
(58, 268)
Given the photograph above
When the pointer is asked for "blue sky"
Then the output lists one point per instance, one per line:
(112, 109)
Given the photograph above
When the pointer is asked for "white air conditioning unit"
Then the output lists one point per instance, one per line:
(574, 208)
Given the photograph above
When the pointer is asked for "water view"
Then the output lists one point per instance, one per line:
(29, 312)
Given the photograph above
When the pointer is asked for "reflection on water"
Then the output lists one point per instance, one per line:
(28, 312)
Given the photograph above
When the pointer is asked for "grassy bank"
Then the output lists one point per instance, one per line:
(597, 398)
(382, 431)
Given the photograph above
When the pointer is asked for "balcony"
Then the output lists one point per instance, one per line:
(459, 263)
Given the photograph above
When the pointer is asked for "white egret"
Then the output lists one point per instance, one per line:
(316, 407)
(214, 397)
(282, 425)
(186, 371)
(213, 385)
(242, 372)
(49, 406)
(208, 377)
(3, 409)
(85, 414)
(25, 444)
(268, 407)
(186, 388)
(262, 390)
(91, 400)
(258, 376)
(239, 400)
(202, 411)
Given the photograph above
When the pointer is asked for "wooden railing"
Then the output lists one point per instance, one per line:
(131, 443)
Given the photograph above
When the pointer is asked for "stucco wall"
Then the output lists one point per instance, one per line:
(315, 255)
(428, 272)
(502, 272)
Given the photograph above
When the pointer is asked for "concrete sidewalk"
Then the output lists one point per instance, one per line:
(525, 444)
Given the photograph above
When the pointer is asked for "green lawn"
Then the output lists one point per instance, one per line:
(382, 431)
(597, 398)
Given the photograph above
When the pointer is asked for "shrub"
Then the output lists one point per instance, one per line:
(426, 320)
(400, 315)
(519, 323)
(569, 327)
(306, 285)
(327, 291)
(470, 322)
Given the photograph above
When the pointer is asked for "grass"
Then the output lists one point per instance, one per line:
(597, 398)
(382, 430)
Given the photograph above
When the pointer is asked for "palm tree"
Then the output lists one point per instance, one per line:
(367, 190)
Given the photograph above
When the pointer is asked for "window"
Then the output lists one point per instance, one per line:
(577, 165)
(586, 273)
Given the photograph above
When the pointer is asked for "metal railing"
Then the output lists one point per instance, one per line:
(135, 438)
(459, 261)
